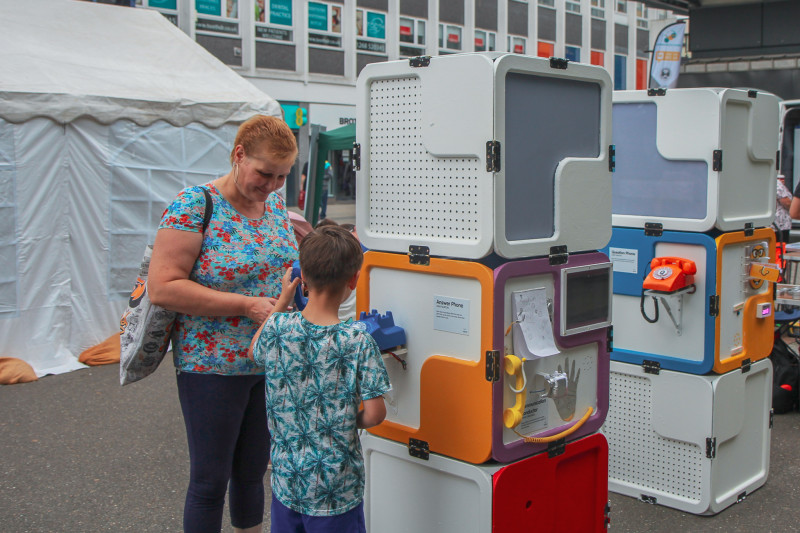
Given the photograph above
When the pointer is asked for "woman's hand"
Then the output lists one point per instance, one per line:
(259, 309)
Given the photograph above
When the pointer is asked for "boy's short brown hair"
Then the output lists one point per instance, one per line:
(329, 256)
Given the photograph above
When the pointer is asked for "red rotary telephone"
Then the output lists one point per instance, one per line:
(669, 274)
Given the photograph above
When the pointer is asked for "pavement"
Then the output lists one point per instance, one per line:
(79, 453)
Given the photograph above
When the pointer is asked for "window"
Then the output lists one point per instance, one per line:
(515, 45)
(548, 3)
(620, 72)
(573, 53)
(598, 58)
(545, 49)
(274, 20)
(412, 36)
(573, 7)
(622, 6)
(214, 16)
(450, 37)
(325, 24)
(371, 31)
(485, 41)
(641, 11)
(598, 8)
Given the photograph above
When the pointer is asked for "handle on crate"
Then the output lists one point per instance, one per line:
(567, 432)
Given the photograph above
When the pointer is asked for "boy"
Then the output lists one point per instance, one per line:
(318, 370)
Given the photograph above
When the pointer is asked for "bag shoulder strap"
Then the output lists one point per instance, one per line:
(209, 209)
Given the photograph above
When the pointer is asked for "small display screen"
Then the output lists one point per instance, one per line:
(587, 298)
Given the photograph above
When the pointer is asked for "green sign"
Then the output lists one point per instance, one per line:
(164, 4)
(376, 25)
(317, 16)
(280, 12)
(208, 7)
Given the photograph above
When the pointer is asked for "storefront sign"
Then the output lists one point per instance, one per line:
(275, 34)
(280, 12)
(218, 26)
(371, 46)
(376, 25)
(208, 7)
(317, 16)
(324, 40)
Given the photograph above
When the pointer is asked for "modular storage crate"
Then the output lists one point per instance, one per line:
(695, 159)
(694, 443)
(472, 154)
(450, 391)
(565, 492)
(725, 321)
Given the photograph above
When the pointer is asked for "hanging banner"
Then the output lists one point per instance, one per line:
(666, 60)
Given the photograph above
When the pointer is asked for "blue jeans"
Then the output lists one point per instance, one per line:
(226, 427)
(323, 210)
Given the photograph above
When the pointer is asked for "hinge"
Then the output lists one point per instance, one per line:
(713, 305)
(746, 365)
(752, 93)
(357, 156)
(556, 448)
(419, 61)
(711, 447)
(771, 417)
(661, 91)
(651, 367)
(419, 449)
(607, 516)
(492, 365)
(559, 63)
(419, 255)
(748, 229)
(741, 497)
(558, 255)
(610, 339)
(716, 161)
(778, 160)
(612, 158)
(492, 156)
(653, 229)
(648, 499)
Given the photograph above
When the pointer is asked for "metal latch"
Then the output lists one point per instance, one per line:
(746, 363)
(771, 417)
(741, 497)
(419, 255)
(492, 156)
(716, 160)
(357, 156)
(419, 449)
(612, 158)
(660, 91)
(559, 63)
(556, 448)
(752, 93)
(748, 229)
(492, 365)
(653, 229)
(419, 61)
(558, 255)
(651, 367)
(711, 447)
(610, 339)
(713, 305)
(648, 499)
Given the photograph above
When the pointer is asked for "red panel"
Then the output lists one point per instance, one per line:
(545, 49)
(568, 492)
(641, 74)
(598, 58)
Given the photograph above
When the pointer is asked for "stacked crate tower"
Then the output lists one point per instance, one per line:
(693, 198)
(484, 193)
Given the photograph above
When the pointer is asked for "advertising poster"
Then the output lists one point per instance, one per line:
(666, 61)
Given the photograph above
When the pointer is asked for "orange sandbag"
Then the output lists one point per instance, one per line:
(13, 370)
(105, 353)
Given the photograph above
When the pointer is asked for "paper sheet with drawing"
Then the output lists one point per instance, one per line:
(532, 329)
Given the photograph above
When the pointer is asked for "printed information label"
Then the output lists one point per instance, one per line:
(451, 314)
(624, 260)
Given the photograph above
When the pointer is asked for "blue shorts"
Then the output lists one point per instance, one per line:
(285, 520)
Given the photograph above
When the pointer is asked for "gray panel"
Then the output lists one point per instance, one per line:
(486, 14)
(362, 60)
(620, 39)
(547, 120)
(546, 23)
(451, 11)
(720, 28)
(781, 23)
(414, 8)
(598, 34)
(222, 48)
(642, 42)
(517, 18)
(326, 61)
(646, 184)
(573, 31)
(784, 83)
(275, 56)
(380, 5)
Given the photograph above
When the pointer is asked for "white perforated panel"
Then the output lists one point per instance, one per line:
(640, 457)
(412, 193)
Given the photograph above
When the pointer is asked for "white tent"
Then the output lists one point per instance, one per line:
(105, 114)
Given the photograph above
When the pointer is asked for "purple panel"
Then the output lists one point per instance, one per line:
(506, 453)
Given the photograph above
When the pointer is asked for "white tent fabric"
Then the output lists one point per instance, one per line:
(85, 175)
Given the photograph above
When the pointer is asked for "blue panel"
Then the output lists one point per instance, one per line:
(631, 285)
(620, 71)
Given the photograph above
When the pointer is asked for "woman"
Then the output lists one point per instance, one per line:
(223, 284)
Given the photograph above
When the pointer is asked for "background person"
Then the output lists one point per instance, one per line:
(783, 222)
(223, 284)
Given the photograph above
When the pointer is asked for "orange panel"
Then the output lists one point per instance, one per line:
(544, 49)
(641, 74)
(455, 397)
(598, 58)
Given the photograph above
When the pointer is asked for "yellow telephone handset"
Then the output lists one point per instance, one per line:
(513, 366)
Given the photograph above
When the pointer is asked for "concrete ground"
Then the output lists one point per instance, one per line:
(79, 453)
